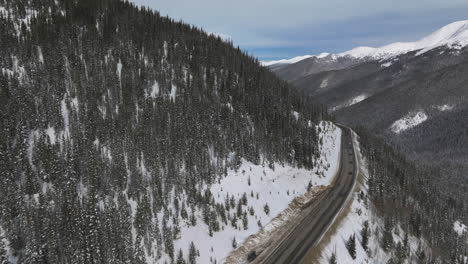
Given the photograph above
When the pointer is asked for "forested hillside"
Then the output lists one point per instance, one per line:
(114, 120)
(408, 195)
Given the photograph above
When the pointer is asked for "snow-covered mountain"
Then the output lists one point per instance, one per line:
(454, 35)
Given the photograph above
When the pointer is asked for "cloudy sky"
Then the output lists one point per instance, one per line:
(277, 29)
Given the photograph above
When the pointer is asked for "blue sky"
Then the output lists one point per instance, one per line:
(277, 29)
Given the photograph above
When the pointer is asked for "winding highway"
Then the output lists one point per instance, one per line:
(318, 215)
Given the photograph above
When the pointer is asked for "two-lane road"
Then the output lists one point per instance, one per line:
(319, 215)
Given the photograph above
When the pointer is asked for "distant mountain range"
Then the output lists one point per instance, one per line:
(454, 35)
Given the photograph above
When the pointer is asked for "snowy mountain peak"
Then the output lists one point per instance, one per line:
(454, 35)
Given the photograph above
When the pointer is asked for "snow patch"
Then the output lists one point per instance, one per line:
(445, 107)
(324, 83)
(386, 64)
(39, 54)
(173, 92)
(357, 99)
(296, 115)
(51, 133)
(119, 70)
(154, 90)
(350, 102)
(66, 121)
(74, 104)
(459, 228)
(33, 135)
(96, 143)
(409, 121)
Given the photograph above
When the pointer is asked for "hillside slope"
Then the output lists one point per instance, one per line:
(122, 132)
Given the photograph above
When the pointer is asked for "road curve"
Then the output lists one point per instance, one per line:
(319, 215)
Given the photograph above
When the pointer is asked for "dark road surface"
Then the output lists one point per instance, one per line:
(319, 215)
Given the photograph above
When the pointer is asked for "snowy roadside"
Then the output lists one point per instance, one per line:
(279, 226)
(260, 185)
(290, 216)
(351, 221)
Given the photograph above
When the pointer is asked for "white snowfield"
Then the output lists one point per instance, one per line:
(277, 188)
(454, 35)
(409, 121)
(352, 223)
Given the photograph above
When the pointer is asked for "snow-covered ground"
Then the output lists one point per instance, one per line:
(409, 121)
(262, 185)
(352, 221)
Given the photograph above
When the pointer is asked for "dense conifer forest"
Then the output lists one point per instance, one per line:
(409, 194)
(105, 106)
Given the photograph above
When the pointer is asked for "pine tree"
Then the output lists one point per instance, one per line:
(244, 199)
(183, 212)
(245, 221)
(234, 221)
(421, 254)
(192, 254)
(387, 236)
(233, 202)
(351, 246)
(180, 257)
(333, 259)
(365, 235)
(406, 244)
(266, 208)
(239, 208)
(139, 252)
(400, 252)
(234, 243)
(251, 211)
(309, 186)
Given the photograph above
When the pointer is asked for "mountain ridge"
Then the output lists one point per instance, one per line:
(454, 35)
